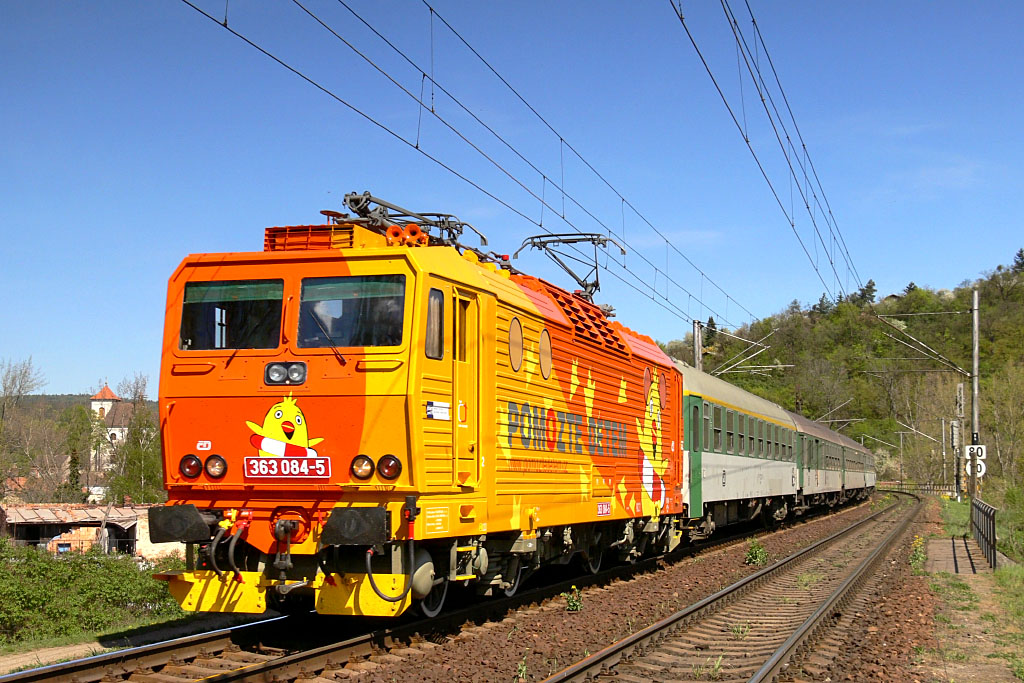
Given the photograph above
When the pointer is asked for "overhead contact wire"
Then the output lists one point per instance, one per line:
(673, 309)
(587, 163)
(757, 160)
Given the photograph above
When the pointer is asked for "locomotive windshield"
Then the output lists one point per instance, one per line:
(238, 314)
(363, 310)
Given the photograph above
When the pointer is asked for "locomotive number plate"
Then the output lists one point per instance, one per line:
(315, 468)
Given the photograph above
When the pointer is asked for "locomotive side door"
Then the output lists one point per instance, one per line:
(466, 401)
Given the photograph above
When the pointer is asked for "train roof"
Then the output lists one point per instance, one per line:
(711, 387)
(708, 386)
(822, 432)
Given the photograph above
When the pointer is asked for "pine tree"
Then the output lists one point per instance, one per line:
(1018, 262)
(712, 330)
(824, 305)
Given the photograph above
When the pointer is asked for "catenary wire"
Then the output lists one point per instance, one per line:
(476, 148)
(589, 166)
(796, 127)
(757, 160)
(668, 305)
(765, 93)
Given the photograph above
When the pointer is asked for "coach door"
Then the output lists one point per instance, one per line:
(466, 383)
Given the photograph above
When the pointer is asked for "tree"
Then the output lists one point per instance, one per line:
(680, 349)
(824, 305)
(711, 330)
(136, 458)
(83, 434)
(16, 380)
(1018, 262)
(864, 296)
(909, 288)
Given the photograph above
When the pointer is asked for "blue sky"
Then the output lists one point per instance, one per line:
(136, 133)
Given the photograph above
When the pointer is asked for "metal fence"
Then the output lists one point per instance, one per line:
(983, 528)
(910, 487)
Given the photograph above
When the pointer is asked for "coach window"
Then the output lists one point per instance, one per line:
(515, 344)
(706, 444)
(777, 451)
(730, 433)
(740, 431)
(718, 429)
(545, 353)
(434, 347)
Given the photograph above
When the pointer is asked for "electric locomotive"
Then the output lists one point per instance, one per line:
(368, 412)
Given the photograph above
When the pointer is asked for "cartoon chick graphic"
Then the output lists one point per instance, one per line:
(653, 465)
(283, 432)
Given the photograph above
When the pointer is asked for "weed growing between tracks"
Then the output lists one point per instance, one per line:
(756, 554)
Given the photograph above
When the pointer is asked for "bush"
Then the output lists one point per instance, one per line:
(44, 595)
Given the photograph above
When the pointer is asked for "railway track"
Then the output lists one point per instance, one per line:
(762, 626)
(300, 646)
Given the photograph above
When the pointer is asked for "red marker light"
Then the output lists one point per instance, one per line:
(190, 466)
(389, 467)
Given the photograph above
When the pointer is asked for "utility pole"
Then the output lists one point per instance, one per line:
(954, 442)
(975, 428)
(698, 347)
(943, 432)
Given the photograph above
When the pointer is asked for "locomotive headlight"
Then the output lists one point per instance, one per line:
(216, 466)
(190, 466)
(389, 467)
(276, 373)
(362, 467)
(297, 373)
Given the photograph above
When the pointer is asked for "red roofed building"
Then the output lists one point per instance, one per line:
(116, 414)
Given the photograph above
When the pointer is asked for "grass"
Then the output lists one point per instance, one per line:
(1010, 582)
(956, 517)
(918, 554)
(805, 581)
(740, 631)
(956, 593)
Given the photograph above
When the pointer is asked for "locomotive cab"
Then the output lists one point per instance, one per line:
(285, 414)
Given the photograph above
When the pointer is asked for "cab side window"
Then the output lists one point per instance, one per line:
(434, 343)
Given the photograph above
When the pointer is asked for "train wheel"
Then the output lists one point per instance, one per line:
(433, 603)
(592, 562)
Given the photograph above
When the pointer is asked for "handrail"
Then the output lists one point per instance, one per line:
(983, 529)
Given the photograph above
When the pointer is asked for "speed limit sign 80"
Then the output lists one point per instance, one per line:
(975, 452)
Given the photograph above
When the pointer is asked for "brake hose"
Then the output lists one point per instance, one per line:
(212, 552)
(410, 510)
(373, 584)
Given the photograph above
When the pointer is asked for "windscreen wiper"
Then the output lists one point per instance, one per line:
(334, 346)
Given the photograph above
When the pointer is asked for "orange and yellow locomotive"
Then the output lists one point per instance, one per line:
(367, 412)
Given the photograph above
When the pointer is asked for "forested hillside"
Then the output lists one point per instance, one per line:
(857, 360)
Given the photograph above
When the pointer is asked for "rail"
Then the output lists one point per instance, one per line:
(983, 528)
(604, 660)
